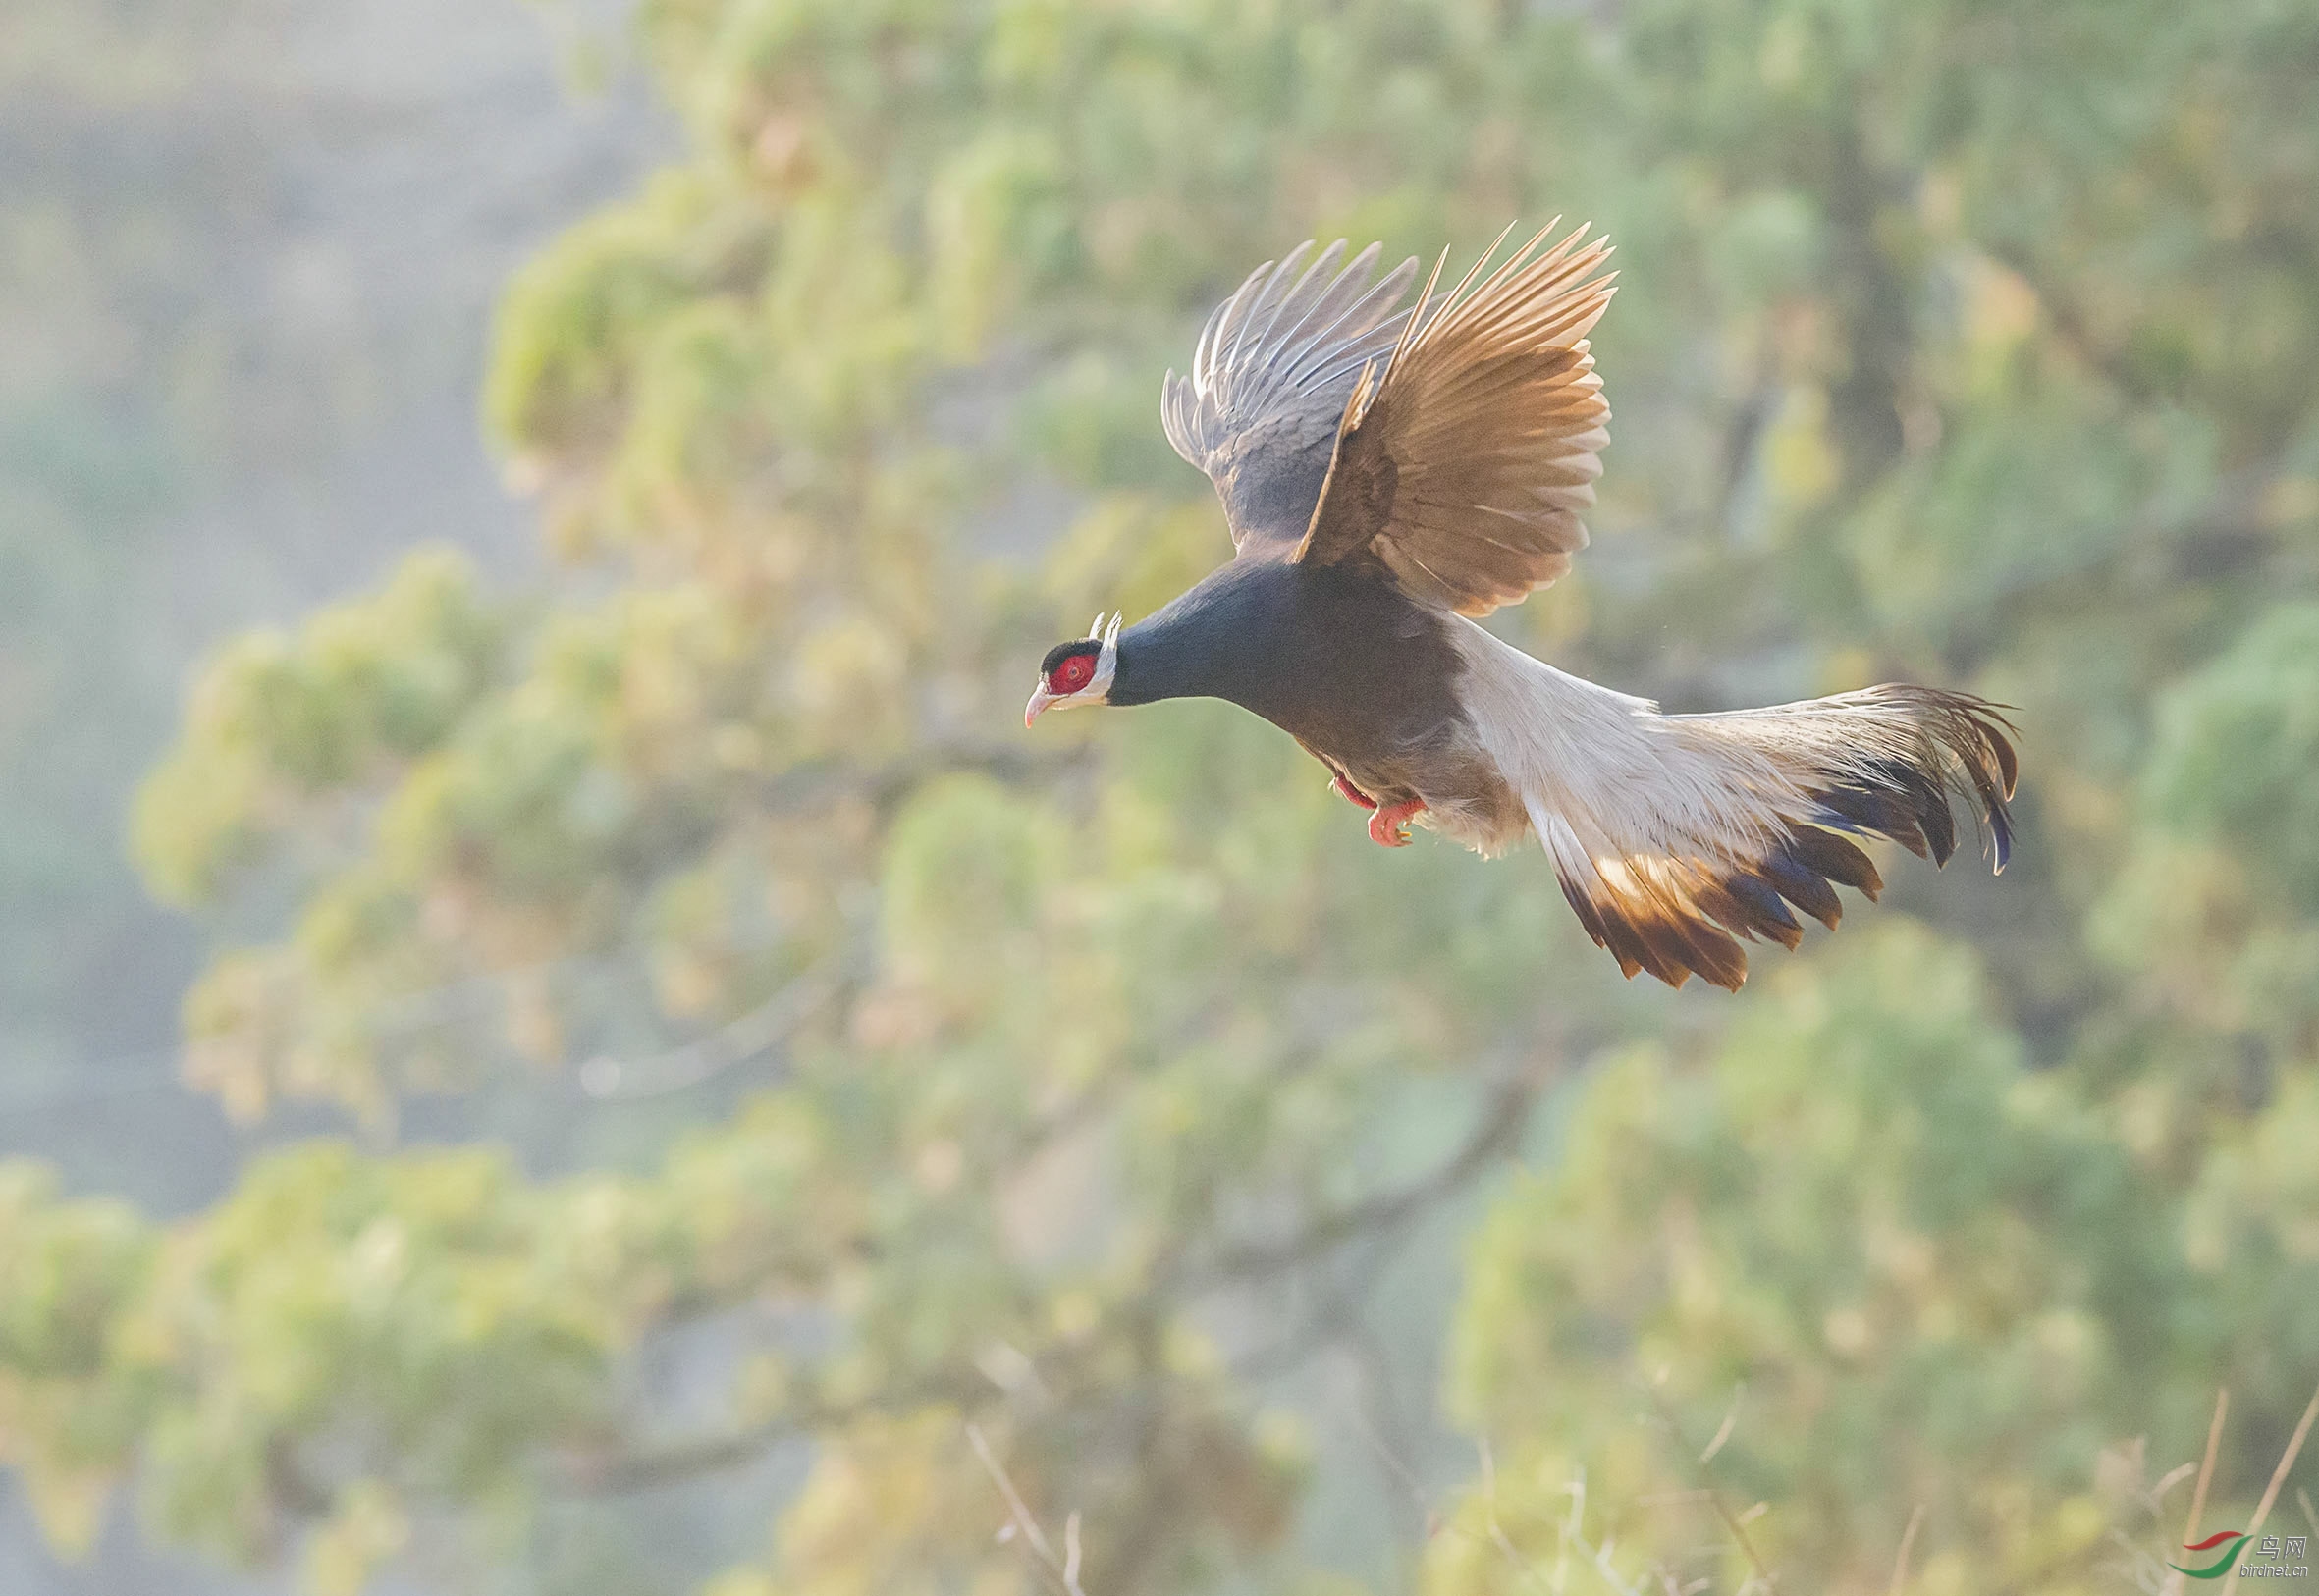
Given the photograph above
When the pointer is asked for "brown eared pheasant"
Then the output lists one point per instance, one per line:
(1389, 474)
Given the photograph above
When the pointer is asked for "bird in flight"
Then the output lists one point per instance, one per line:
(1390, 474)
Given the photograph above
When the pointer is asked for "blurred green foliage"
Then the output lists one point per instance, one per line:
(1957, 341)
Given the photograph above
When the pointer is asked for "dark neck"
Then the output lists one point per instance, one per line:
(1338, 657)
(1217, 641)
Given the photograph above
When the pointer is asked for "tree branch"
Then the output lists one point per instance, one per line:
(1496, 1132)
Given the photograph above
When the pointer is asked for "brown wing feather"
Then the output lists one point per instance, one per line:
(1464, 462)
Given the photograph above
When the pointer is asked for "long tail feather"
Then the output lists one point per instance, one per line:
(1678, 837)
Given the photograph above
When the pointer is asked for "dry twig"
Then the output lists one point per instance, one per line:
(1064, 1569)
(2294, 1446)
(2214, 1439)
(1900, 1563)
(1734, 1522)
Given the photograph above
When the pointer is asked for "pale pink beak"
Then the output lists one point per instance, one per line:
(1040, 700)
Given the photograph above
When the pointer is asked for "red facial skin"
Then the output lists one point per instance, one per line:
(1072, 674)
(1070, 678)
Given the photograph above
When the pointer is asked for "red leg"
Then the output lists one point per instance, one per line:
(1387, 829)
(1352, 794)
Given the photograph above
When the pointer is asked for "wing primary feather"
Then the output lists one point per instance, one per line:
(1292, 261)
(1222, 324)
(1346, 297)
(1311, 368)
(1410, 328)
(1457, 301)
(1294, 358)
(1291, 300)
(1347, 281)
(1461, 302)
(1205, 342)
(1312, 290)
(1468, 306)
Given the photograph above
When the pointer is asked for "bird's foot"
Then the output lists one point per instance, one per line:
(1388, 826)
(1351, 795)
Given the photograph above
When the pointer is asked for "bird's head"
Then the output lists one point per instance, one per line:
(1074, 675)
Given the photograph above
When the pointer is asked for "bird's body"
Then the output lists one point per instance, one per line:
(1352, 668)
(1388, 475)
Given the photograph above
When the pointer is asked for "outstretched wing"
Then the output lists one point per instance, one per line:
(1463, 460)
(1269, 378)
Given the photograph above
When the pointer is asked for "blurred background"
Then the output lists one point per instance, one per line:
(558, 1035)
